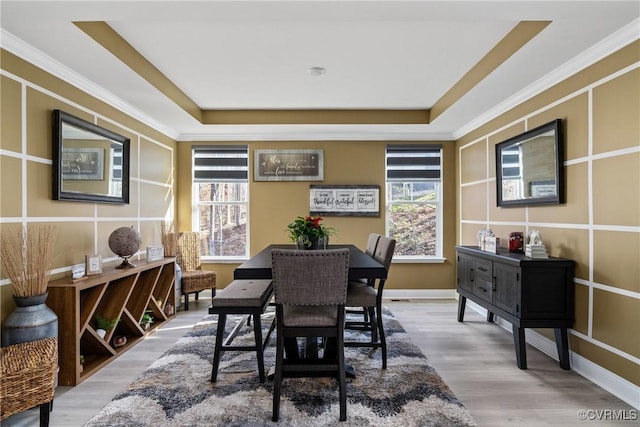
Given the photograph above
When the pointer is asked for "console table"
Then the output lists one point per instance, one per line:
(526, 292)
(125, 294)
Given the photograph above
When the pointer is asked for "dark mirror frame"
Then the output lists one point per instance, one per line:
(558, 157)
(59, 119)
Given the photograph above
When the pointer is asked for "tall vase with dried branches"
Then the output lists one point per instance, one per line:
(170, 242)
(169, 238)
(26, 255)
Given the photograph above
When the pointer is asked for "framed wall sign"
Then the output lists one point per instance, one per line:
(83, 163)
(288, 165)
(344, 200)
(94, 264)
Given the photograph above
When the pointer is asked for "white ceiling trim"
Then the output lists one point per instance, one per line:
(368, 135)
(611, 44)
(36, 57)
(616, 41)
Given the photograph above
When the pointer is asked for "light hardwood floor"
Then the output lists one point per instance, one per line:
(475, 358)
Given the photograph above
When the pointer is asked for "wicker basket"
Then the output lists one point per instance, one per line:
(28, 375)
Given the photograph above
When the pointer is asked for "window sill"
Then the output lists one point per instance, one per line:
(223, 260)
(418, 260)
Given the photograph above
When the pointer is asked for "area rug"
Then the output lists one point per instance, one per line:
(175, 390)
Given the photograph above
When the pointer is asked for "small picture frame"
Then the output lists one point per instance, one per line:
(94, 264)
(155, 253)
(77, 271)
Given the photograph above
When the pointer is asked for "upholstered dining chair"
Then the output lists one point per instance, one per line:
(194, 278)
(370, 249)
(369, 296)
(310, 289)
(28, 377)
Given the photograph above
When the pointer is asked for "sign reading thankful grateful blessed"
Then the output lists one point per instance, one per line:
(344, 200)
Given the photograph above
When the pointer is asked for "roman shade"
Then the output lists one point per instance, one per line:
(220, 163)
(413, 162)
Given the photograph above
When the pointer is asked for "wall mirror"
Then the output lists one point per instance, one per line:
(90, 163)
(529, 167)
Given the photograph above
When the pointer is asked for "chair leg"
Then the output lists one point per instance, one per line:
(383, 340)
(45, 409)
(342, 381)
(222, 320)
(277, 379)
(186, 302)
(372, 323)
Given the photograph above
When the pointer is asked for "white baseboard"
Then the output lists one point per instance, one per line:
(419, 294)
(614, 384)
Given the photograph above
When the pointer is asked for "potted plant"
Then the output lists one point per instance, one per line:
(26, 257)
(146, 321)
(308, 233)
(104, 325)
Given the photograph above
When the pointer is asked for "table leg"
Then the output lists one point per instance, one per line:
(489, 316)
(462, 302)
(562, 343)
(521, 350)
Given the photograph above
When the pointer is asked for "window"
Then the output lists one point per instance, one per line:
(512, 182)
(220, 192)
(414, 200)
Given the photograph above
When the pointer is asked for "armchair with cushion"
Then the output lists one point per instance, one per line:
(28, 377)
(194, 278)
(310, 288)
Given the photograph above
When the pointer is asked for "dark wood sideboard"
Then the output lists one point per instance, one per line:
(526, 292)
(125, 294)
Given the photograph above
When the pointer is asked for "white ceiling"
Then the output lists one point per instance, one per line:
(255, 55)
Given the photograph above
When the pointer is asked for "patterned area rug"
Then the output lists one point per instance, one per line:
(175, 390)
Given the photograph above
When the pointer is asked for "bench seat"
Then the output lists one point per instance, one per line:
(250, 297)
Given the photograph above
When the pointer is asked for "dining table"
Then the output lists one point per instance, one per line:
(361, 266)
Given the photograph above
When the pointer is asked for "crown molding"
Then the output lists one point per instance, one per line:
(240, 134)
(595, 53)
(34, 56)
(616, 41)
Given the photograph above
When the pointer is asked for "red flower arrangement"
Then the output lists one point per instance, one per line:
(307, 230)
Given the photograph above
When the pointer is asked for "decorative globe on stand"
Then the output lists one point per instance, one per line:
(125, 242)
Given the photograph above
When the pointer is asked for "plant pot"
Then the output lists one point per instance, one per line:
(101, 333)
(317, 243)
(32, 320)
(119, 341)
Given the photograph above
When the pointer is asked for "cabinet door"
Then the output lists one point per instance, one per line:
(483, 280)
(506, 291)
(465, 272)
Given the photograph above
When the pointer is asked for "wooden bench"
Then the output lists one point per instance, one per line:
(250, 297)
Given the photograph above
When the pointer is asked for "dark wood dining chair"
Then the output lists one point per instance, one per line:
(369, 296)
(310, 291)
(370, 249)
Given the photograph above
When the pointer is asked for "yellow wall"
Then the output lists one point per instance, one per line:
(273, 205)
(28, 97)
(599, 224)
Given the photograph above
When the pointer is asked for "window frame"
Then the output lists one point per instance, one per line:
(414, 173)
(197, 203)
